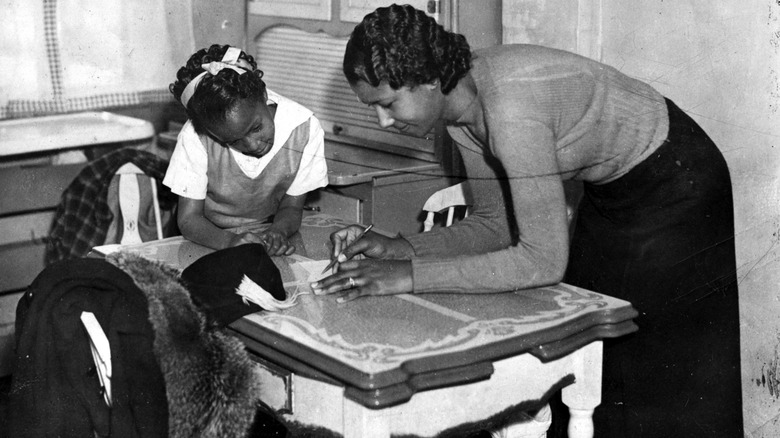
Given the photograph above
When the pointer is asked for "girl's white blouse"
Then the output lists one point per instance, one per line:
(187, 171)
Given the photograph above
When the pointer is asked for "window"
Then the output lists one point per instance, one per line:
(71, 55)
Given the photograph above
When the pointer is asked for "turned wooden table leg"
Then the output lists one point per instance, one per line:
(584, 394)
(361, 422)
(580, 423)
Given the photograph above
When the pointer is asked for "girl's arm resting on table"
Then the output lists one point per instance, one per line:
(287, 221)
(195, 227)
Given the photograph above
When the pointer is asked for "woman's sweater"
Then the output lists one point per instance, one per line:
(549, 116)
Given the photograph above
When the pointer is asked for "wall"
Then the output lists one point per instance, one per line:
(479, 21)
(718, 60)
(222, 22)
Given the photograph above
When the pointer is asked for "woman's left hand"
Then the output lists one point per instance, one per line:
(276, 243)
(358, 278)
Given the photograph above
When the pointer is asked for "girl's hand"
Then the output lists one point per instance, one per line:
(372, 245)
(276, 243)
(240, 239)
(358, 278)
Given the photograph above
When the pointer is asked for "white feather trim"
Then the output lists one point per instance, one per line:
(251, 291)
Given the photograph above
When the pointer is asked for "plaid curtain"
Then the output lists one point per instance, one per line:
(72, 55)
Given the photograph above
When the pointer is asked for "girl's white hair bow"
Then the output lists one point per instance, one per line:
(229, 60)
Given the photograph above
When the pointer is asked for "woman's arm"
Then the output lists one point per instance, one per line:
(478, 254)
(536, 205)
(485, 229)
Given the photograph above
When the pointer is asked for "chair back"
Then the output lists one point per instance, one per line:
(139, 218)
(445, 200)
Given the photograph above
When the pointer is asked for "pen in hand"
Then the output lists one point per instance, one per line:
(335, 260)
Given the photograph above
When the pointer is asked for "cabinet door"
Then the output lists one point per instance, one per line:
(335, 204)
(306, 67)
(309, 9)
(355, 10)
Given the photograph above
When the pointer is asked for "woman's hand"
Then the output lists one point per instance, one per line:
(372, 245)
(358, 278)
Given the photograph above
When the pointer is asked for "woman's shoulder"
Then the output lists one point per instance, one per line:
(512, 71)
(529, 59)
(530, 52)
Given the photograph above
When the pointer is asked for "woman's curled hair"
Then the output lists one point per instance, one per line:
(404, 46)
(216, 94)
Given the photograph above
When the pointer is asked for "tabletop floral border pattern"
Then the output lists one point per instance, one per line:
(375, 357)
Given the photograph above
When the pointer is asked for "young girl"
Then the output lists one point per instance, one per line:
(245, 156)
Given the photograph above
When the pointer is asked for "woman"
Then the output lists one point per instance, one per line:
(655, 226)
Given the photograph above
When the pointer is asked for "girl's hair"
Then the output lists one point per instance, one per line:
(216, 94)
(404, 46)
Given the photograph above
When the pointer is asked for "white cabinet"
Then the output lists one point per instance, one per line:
(333, 203)
(355, 10)
(393, 203)
(325, 10)
(376, 175)
(33, 176)
(308, 9)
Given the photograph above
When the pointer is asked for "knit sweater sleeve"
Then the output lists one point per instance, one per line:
(476, 255)
(485, 229)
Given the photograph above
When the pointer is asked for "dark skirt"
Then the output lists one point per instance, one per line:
(662, 238)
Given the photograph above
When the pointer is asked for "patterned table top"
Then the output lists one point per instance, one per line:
(384, 348)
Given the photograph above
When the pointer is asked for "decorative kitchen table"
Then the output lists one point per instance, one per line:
(417, 365)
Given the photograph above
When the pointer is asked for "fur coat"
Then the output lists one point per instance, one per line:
(211, 383)
(173, 374)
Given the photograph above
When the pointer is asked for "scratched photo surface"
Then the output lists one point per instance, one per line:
(719, 60)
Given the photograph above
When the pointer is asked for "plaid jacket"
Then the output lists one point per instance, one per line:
(83, 216)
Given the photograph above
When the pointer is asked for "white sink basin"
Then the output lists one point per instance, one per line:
(55, 133)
